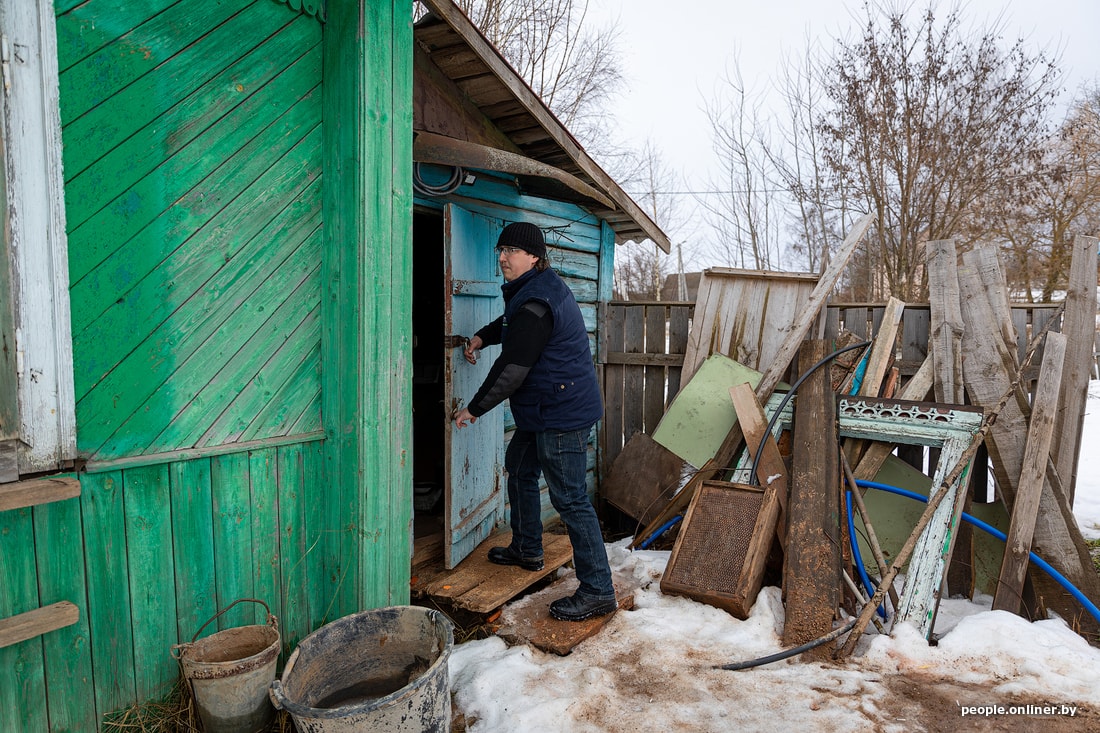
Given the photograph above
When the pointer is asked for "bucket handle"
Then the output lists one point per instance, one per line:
(271, 620)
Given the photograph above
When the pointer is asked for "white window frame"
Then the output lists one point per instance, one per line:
(35, 240)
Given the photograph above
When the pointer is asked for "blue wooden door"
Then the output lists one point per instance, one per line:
(474, 485)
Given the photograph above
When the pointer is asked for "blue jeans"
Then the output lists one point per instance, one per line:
(563, 457)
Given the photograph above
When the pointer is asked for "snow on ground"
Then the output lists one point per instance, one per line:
(653, 668)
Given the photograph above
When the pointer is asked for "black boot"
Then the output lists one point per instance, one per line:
(508, 556)
(580, 606)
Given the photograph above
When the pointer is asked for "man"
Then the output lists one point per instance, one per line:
(545, 369)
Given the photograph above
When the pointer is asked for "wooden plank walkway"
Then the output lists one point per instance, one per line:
(480, 586)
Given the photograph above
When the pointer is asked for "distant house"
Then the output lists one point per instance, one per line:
(670, 289)
(243, 242)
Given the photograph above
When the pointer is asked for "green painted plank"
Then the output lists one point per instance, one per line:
(233, 557)
(193, 546)
(81, 29)
(277, 395)
(242, 287)
(241, 306)
(59, 547)
(258, 177)
(315, 492)
(344, 332)
(151, 576)
(138, 52)
(142, 210)
(264, 482)
(294, 577)
(107, 153)
(203, 389)
(109, 619)
(310, 419)
(22, 672)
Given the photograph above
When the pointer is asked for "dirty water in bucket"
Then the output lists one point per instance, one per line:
(378, 670)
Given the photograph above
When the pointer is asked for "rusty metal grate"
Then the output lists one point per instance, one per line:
(710, 550)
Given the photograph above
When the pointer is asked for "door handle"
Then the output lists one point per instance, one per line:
(456, 342)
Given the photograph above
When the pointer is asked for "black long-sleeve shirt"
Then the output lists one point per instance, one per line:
(528, 333)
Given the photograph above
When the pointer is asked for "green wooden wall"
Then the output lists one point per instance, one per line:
(224, 293)
(192, 155)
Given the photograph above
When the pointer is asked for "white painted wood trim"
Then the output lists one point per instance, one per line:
(36, 206)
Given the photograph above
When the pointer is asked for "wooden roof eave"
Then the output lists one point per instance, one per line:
(429, 147)
(643, 227)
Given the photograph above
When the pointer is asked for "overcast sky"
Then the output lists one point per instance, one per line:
(675, 55)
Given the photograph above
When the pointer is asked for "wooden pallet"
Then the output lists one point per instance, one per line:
(480, 586)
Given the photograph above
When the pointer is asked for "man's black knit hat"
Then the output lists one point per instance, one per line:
(527, 237)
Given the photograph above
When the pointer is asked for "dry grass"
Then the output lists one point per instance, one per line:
(174, 713)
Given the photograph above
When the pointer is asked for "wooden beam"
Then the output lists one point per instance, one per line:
(1079, 326)
(772, 474)
(37, 622)
(812, 566)
(38, 491)
(915, 389)
(1021, 529)
(988, 364)
(946, 324)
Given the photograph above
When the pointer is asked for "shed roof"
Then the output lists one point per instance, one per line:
(463, 54)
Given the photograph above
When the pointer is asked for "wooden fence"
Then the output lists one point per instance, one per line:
(642, 345)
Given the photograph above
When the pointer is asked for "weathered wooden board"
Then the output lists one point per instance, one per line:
(988, 366)
(480, 586)
(33, 492)
(812, 558)
(744, 315)
(528, 621)
(643, 478)
(1010, 587)
(30, 624)
(1079, 326)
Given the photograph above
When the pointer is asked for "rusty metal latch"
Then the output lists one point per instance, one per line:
(455, 342)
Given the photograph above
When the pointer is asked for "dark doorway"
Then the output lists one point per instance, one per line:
(429, 418)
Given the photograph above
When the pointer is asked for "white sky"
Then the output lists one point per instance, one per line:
(652, 669)
(674, 60)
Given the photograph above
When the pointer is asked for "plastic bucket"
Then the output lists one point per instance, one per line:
(230, 673)
(378, 670)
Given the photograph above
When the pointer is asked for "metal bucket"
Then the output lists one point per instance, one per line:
(230, 672)
(378, 670)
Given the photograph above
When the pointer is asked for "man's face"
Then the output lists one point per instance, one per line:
(514, 262)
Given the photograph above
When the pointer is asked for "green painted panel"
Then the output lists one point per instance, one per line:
(264, 483)
(233, 559)
(209, 224)
(289, 400)
(142, 209)
(315, 493)
(81, 30)
(22, 676)
(193, 546)
(294, 576)
(151, 577)
(310, 419)
(182, 97)
(59, 547)
(245, 289)
(702, 413)
(138, 52)
(109, 619)
(210, 397)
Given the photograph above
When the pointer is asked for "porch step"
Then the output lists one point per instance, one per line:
(480, 586)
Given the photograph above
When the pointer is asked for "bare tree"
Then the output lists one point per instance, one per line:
(925, 124)
(741, 204)
(641, 268)
(1056, 200)
(573, 67)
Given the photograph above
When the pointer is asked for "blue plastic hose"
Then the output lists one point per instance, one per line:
(857, 556)
(1042, 564)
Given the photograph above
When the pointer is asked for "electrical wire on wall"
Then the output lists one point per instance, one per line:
(458, 177)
